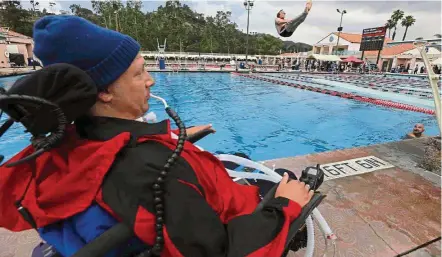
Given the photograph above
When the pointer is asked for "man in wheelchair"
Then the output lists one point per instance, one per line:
(100, 167)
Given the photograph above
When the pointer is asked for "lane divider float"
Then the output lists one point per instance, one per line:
(380, 102)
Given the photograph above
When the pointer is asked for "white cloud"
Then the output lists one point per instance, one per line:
(324, 18)
(209, 8)
(56, 8)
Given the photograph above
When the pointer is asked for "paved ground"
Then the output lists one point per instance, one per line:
(16, 71)
(380, 213)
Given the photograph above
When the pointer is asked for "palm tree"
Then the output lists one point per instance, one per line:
(437, 35)
(389, 25)
(407, 22)
(396, 17)
(419, 38)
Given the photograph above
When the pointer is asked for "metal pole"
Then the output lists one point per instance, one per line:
(433, 82)
(247, 40)
(339, 32)
(116, 21)
(379, 55)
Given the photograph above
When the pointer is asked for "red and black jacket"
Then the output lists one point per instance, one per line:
(114, 162)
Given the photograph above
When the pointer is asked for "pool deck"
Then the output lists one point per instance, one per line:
(422, 76)
(9, 72)
(380, 213)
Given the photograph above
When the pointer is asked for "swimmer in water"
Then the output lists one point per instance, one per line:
(285, 28)
(418, 131)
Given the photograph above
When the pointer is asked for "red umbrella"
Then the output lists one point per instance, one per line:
(353, 59)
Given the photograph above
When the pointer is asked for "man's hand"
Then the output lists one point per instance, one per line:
(280, 21)
(196, 129)
(294, 190)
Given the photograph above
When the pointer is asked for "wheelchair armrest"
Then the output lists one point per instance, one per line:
(306, 211)
(269, 196)
(199, 135)
(300, 220)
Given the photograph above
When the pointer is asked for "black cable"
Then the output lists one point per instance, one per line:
(16, 104)
(418, 247)
(158, 187)
(44, 143)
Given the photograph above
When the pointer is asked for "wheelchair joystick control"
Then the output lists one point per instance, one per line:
(312, 176)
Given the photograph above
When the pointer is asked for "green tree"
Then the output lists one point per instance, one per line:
(34, 5)
(396, 17)
(77, 10)
(407, 22)
(184, 29)
(389, 25)
(12, 15)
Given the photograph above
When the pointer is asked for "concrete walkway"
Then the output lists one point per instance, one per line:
(380, 213)
(16, 71)
(381, 204)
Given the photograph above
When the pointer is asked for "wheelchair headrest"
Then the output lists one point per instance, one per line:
(64, 85)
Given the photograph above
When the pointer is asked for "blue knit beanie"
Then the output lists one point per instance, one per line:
(102, 53)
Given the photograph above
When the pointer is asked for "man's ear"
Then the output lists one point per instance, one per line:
(105, 96)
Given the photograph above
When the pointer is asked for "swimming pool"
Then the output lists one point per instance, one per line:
(265, 120)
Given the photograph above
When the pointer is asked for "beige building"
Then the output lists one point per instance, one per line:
(14, 43)
(349, 44)
(392, 55)
(404, 55)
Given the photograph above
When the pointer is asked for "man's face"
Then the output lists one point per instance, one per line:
(129, 94)
(418, 129)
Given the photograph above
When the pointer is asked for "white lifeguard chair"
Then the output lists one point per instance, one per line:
(161, 55)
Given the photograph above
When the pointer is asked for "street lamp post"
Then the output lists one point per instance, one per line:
(340, 27)
(116, 20)
(248, 4)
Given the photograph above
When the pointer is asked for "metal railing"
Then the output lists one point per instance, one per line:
(185, 54)
(219, 55)
(346, 52)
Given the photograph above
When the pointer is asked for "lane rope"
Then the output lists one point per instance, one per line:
(375, 101)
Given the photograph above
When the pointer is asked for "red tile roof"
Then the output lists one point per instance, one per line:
(355, 38)
(350, 37)
(13, 33)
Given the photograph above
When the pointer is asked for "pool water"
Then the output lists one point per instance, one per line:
(264, 120)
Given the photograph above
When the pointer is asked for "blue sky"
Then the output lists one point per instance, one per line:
(322, 20)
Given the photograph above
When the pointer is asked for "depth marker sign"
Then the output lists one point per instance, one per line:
(353, 167)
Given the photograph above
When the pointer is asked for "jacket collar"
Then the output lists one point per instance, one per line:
(105, 128)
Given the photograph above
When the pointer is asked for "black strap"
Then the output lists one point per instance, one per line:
(110, 239)
(22, 210)
(418, 247)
